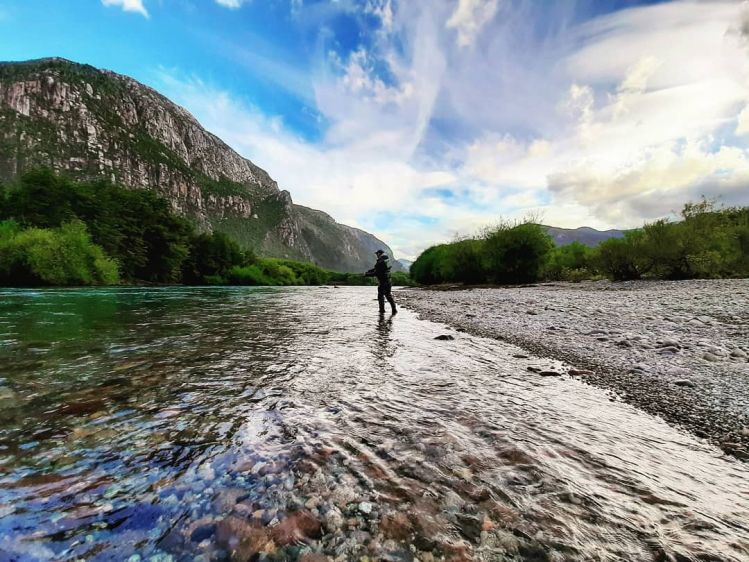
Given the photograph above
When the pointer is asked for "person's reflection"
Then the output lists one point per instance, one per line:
(384, 346)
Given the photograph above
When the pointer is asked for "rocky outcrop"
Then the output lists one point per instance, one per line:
(90, 123)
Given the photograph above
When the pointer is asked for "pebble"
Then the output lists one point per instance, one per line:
(668, 343)
(684, 382)
(365, 508)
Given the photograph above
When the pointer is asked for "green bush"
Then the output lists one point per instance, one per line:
(248, 275)
(271, 271)
(53, 256)
(355, 279)
(136, 227)
(426, 269)
(516, 254)
(571, 262)
(618, 258)
(401, 279)
(706, 243)
(506, 254)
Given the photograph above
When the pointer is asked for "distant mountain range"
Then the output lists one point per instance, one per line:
(584, 235)
(89, 123)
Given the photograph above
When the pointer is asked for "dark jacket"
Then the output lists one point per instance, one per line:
(381, 270)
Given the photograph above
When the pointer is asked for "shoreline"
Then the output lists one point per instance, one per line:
(675, 349)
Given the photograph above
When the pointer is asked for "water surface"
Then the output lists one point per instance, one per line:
(284, 424)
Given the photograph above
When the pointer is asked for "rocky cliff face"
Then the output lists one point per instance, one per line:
(90, 123)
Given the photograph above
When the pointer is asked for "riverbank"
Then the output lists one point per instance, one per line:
(678, 350)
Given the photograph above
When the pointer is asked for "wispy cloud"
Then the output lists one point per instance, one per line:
(128, 6)
(232, 4)
(450, 116)
(469, 17)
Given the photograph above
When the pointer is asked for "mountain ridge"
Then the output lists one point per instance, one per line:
(90, 123)
(583, 234)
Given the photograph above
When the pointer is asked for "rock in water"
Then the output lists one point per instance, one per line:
(445, 337)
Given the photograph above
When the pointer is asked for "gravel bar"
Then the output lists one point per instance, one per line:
(676, 349)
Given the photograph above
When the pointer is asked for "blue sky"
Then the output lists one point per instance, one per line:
(420, 121)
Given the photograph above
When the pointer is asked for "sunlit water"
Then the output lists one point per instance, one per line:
(216, 424)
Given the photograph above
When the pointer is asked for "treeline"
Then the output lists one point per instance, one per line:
(707, 242)
(54, 231)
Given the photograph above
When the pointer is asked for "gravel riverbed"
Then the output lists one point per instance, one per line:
(679, 350)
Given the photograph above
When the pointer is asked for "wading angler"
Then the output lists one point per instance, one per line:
(381, 270)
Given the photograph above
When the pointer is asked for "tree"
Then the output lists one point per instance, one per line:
(617, 258)
(516, 254)
(210, 257)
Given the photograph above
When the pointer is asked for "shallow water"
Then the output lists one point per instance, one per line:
(209, 424)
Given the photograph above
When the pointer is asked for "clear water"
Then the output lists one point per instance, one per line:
(284, 424)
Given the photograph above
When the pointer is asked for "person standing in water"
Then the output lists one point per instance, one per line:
(381, 270)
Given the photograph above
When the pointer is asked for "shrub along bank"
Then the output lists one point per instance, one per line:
(707, 242)
(54, 231)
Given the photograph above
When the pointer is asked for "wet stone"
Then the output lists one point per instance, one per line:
(203, 532)
(241, 540)
(365, 508)
(396, 526)
(298, 526)
(685, 382)
(313, 557)
(445, 337)
(470, 526)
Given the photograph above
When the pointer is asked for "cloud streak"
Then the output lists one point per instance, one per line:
(135, 6)
(454, 114)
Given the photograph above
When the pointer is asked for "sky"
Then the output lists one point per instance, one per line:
(424, 120)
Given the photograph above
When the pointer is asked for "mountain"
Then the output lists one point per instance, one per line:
(89, 123)
(406, 264)
(584, 234)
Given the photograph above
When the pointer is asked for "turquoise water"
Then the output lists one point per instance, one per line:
(297, 423)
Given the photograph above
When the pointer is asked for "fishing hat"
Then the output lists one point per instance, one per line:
(379, 252)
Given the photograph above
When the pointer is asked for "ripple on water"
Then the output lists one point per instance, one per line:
(176, 423)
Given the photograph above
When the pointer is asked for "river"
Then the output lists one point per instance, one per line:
(296, 424)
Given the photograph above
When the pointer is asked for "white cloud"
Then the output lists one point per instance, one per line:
(231, 4)
(469, 17)
(383, 9)
(352, 182)
(128, 6)
(606, 124)
(742, 125)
